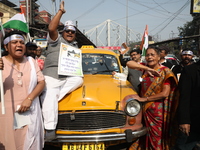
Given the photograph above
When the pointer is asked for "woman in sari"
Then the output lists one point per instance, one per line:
(157, 93)
(21, 127)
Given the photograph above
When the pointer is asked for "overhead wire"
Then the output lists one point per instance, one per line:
(176, 14)
(45, 7)
(90, 10)
(155, 8)
(143, 12)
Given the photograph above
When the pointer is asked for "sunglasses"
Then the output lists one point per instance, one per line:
(67, 31)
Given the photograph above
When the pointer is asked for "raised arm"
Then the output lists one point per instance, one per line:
(134, 65)
(53, 32)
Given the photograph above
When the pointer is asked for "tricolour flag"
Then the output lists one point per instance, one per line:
(145, 42)
(18, 22)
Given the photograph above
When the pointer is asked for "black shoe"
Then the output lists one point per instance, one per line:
(50, 135)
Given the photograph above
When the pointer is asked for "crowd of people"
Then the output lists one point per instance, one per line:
(170, 98)
(33, 88)
(169, 93)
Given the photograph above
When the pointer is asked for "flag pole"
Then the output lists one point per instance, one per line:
(1, 79)
(27, 19)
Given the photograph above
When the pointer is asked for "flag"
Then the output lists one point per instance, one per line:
(18, 22)
(145, 42)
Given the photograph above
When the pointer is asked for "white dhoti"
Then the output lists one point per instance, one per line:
(55, 90)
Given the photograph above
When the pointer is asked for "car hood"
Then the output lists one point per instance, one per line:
(97, 92)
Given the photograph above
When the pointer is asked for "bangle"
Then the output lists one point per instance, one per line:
(147, 98)
(62, 11)
(30, 99)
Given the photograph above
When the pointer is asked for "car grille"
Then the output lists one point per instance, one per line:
(87, 121)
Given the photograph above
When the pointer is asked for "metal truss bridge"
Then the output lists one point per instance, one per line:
(110, 33)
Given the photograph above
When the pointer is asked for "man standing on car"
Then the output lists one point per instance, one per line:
(186, 59)
(57, 86)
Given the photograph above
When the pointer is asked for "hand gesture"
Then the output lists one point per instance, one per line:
(152, 72)
(62, 7)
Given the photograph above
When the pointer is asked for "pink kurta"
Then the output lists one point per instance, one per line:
(15, 94)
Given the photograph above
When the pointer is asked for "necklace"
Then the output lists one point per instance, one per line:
(19, 67)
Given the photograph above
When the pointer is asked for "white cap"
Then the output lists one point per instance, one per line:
(69, 23)
(70, 28)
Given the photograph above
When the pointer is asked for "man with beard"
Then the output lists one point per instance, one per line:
(186, 57)
(31, 49)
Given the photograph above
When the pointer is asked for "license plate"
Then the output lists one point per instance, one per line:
(83, 146)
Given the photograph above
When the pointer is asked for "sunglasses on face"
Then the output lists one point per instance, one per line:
(67, 31)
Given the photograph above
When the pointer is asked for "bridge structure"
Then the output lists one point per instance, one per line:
(110, 33)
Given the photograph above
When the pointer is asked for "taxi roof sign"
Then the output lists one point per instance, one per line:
(87, 46)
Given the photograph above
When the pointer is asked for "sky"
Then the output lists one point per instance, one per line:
(163, 17)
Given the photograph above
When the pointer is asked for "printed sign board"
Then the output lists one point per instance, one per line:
(70, 61)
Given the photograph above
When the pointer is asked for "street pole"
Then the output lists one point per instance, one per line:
(108, 32)
(127, 22)
(27, 12)
(54, 9)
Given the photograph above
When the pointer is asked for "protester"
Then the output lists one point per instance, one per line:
(134, 75)
(186, 59)
(38, 51)
(163, 53)
(21, 127)
(57, 86)
(135, 55)
(31, 49)
(124, 49)
(157, 94)
(39, 59)
(188, 109)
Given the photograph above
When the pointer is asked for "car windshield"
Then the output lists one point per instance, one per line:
(99, 63)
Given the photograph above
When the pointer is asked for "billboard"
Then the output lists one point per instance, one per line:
(195, 6)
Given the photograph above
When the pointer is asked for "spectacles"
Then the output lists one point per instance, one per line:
(67, 31)
(19, 80)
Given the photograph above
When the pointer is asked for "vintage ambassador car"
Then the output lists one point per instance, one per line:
(102, 113)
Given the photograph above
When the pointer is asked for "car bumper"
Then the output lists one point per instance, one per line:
(128, 135)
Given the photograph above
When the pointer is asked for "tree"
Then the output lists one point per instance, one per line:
(189, 29)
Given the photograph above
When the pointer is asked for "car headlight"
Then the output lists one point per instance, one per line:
(132, 107)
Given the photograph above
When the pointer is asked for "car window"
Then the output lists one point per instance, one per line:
(99, 63)
(173, 62)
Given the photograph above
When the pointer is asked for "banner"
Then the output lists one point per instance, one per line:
(70, 61)
(195, 6)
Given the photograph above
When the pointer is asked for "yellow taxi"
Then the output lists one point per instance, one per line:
(103, 112)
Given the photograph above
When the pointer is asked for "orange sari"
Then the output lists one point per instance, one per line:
(158, 115)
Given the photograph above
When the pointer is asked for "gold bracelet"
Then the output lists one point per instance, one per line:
(30, 99)
(147, 98)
